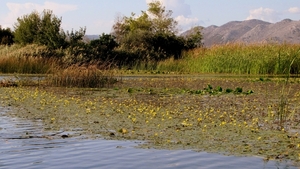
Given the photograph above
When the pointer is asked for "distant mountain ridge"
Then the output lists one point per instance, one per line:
(251, 31)
(248, 31)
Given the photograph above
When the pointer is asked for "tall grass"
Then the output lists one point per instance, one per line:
(284, 114)
(238, 59)
(25, 59)
(34, 59)
(89, 76)
(262, 58)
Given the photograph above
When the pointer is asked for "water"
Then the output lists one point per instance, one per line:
(56, 152)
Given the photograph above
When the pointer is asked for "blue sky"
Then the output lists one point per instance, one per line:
(98, 16)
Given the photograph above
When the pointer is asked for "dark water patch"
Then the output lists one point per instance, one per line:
(106, 154)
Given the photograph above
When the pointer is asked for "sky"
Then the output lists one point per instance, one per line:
(98, 16)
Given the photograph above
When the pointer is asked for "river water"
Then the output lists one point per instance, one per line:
(18, 150)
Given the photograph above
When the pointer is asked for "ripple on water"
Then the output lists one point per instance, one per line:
(82, 153)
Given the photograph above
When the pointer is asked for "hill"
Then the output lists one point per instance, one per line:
(251, 31)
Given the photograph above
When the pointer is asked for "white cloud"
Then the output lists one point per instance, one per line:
(181, 12)
(265, 14)
(294, 10)
(17, 10)
(179, 7)
(186, 21)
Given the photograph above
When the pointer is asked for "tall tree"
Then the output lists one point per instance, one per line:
(152, 35)
(161, 19)
(27, 28)
(155, 20)
(103, 47)
(44, 29)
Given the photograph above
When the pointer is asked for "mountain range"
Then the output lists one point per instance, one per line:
(248, 31)
(251, 31)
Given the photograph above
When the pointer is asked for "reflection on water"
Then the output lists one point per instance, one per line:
(39, 152)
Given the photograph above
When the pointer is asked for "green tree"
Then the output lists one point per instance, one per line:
(161, 19)
(152, 35)
(6, 36)
(75, 37)
(103, 48)
(26, 29)
(44, 29)
(194, 38)
(77, 50)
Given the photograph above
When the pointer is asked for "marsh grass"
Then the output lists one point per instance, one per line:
(284, 114)
(26, 59)
(262, 58)
(89, 76)
(252, 59)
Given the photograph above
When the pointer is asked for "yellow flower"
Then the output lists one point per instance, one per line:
(123, 131)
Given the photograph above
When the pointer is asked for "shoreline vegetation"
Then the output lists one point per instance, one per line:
(236, 58)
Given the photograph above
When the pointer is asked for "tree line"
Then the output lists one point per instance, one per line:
(150, 36)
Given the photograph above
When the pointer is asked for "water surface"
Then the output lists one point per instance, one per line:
(17, 150)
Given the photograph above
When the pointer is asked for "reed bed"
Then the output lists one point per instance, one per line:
(252, 59)
(90, 76)
(238, 59)
(26, 59)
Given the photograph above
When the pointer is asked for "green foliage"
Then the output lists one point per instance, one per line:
(77, 51)
(6, 36)
(151, 36)
(103, 47)
(194, 38)
(42, 29)
(219, 90)
(45, 29)
(238, 90)
(74, 38)
(229, 90)
(169, 45)
(136, 40)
